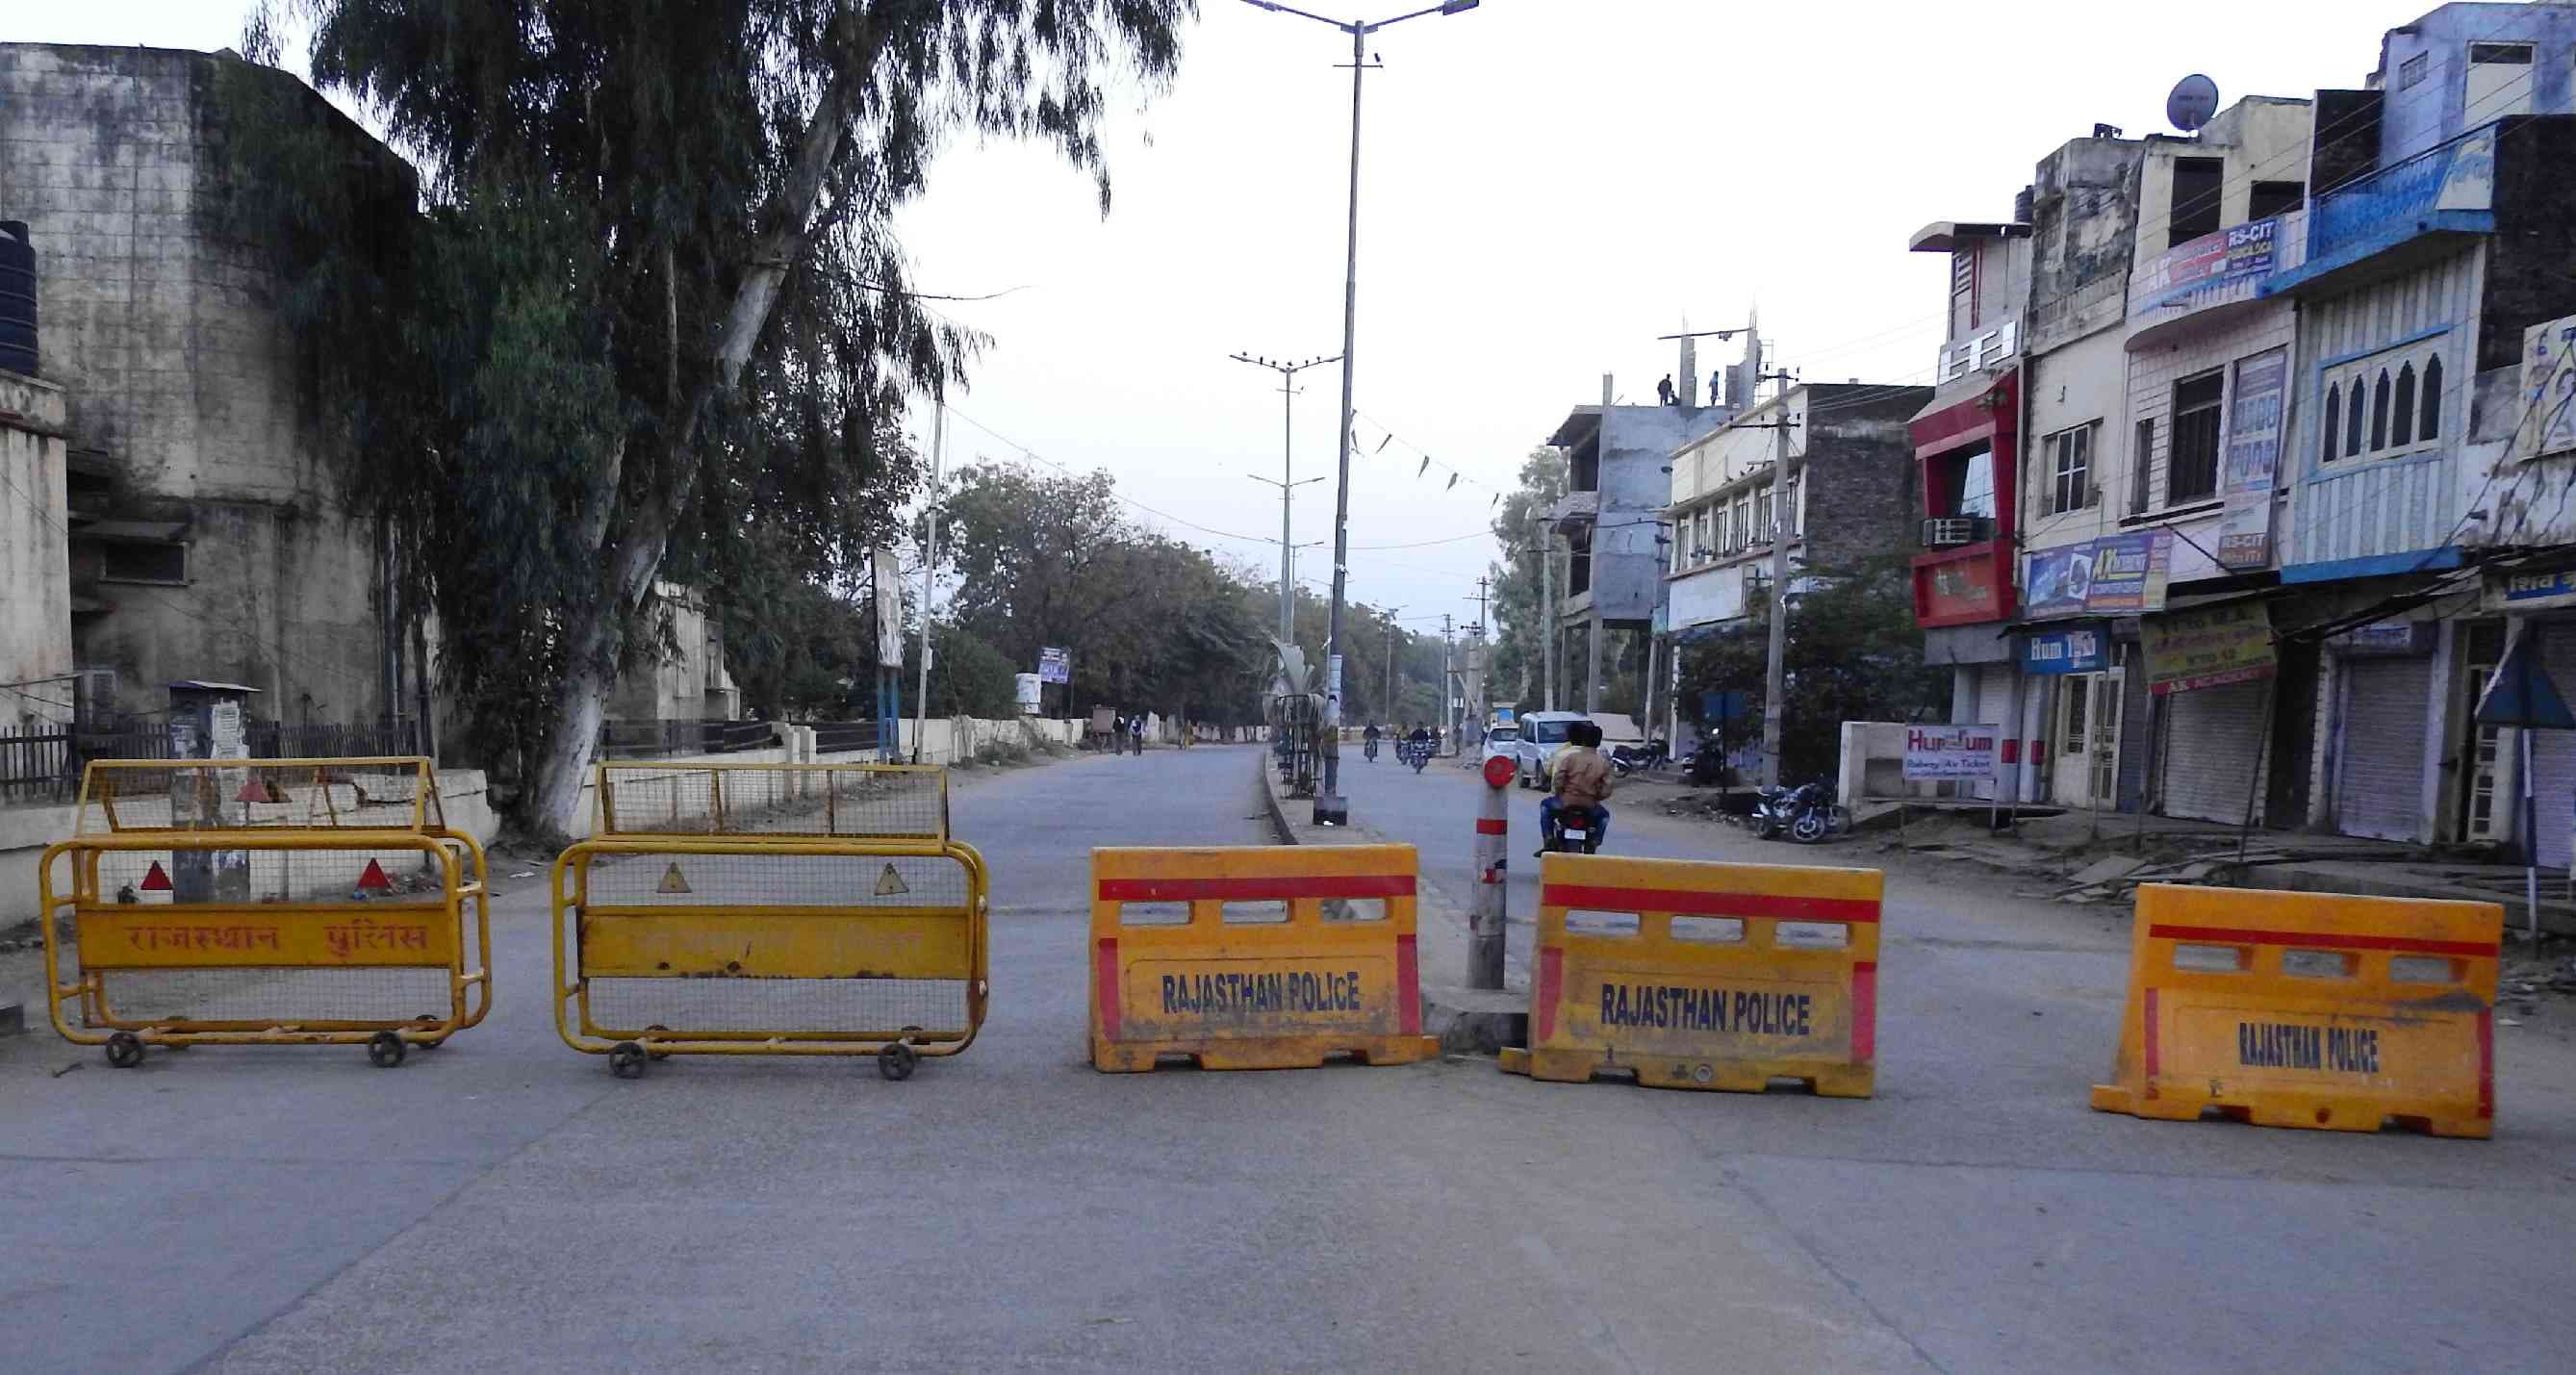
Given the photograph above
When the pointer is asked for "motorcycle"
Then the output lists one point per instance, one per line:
(1370, 749)
(1806, 814)
(1628, 759)
(1578, 832)
(1417, 755)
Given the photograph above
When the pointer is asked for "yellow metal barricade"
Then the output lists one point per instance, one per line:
(2315, 1010)
(1694, 975)
(264, 902)
(1255, 957)
(770, 910)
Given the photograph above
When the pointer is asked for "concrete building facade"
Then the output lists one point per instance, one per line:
(36, 685)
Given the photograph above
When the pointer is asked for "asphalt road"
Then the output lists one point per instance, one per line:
(505, 1204)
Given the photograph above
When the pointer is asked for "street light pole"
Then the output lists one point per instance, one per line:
(1330, 808)
(1287, 473)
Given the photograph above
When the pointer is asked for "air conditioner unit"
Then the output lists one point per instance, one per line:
(1946, 532)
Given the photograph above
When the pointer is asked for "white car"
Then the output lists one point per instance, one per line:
(1542, 734)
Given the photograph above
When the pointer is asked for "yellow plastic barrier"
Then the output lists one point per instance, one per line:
(770, 910)
(1704, 976)
(266, 902)
(1255, 957)
(2312, 1010)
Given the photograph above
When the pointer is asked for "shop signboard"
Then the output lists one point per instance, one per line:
(1055, 665)
(2081, 649)
(2228, 256)
(2526, 592)
(2210, 647)
(2254, 427)
(2129, 573)
(1961, 589)
(1951, 753)
(2058, 580)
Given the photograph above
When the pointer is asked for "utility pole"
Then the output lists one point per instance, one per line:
(1286, 484)
(1448, 713)
(1547, 605)
(1774, 685)
(1389, 709)
(929, 561)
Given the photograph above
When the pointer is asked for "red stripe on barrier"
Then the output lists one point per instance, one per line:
(1492, 826)
(1684, 902)
(1256, 889)
(1551, 979)
(1108, 975)
(2150, 1041)
(1408, 988)
(2231, 935)
(2486, 1064)
(1864, 1036)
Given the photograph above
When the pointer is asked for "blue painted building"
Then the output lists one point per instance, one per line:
(2439, 229)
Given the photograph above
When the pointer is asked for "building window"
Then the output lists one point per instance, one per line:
(2070, 469)
(1762, 522)
(2191, 470)
(2402, 427)
(2379, 413)
(2411, 73)
(1963, 286)
(137, 561)
(2272, 198)
(2432, 399)
(1789, 514)
(2141, 465)
(2499, 81)
(2334, 415)
(1706, 552)
(2196, 186)
(2352, 422)
(1744, 520)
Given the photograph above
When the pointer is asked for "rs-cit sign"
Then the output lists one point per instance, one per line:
(1951, 752)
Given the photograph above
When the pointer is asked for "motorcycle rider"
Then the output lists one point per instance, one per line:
(1582, 783)
(1371, 737)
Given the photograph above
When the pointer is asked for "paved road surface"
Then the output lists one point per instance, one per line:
(505, 1204)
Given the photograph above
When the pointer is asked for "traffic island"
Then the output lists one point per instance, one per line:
(1468, 1021)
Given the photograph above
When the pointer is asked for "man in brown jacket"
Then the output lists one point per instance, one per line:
(1582, 783)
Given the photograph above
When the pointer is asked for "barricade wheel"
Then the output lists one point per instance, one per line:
(897, 1061)
(427, 1021)
(659, 1054)
(386, 1049)
(124, 1050)
(626, 1060)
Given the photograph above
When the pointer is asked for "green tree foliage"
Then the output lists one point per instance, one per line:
(655, 316)
(1854, 654)
(967, 676)
(1521, 632)
(1153, 624)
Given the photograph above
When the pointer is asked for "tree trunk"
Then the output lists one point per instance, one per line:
(554, 786)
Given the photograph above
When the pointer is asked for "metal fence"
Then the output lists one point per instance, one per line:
(42, 764)
(665, 739)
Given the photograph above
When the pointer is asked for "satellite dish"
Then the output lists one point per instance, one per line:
(2193, 103)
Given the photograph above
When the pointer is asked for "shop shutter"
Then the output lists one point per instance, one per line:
(2379, 764)
(2553, 758)
(2134, 718)
(2213, 744)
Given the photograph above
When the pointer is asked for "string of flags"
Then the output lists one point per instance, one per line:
(1423, 468)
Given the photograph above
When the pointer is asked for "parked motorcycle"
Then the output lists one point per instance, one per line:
(1805, 814)
(1628, 759)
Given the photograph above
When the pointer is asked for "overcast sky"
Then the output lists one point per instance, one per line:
(1547, 185)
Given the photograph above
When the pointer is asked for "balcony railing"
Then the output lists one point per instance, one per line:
(2395, 202)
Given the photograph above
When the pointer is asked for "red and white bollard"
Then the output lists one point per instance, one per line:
(1493, 860)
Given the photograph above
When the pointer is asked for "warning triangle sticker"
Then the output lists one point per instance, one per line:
(890, 883)
(673, 881)
(374, 880)
(155, 880)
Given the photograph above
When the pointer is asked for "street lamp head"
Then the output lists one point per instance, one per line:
(1447, 7)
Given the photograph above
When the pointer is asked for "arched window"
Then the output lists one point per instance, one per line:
(2379, 413)
(2352, 422)
(2334, 413)
(2432, 399)
(2402, 432)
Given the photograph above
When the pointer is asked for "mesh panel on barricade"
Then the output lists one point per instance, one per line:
(276, 996)
(122, 795)
(715, 881)
(854, 801)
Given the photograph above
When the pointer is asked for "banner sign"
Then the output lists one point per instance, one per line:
(885, 576)
(2129, 573)
(2058, 580)
(2207, 648)
(2253, 459)
(2548, 390)
(1951, 752)
(2065, 651)
(1055, 665)
(2210, 261)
